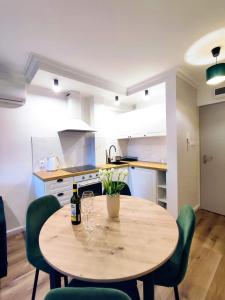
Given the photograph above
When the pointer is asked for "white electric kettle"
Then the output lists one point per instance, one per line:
(53, 163)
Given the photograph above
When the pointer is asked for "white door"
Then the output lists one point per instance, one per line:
(212, 144)
(142, 183)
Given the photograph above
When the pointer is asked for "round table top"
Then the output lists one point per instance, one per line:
(138, 242)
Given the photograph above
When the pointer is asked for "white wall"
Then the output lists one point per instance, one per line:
(205, 94)
(188, 155)
(148, 148)
(105, 118)
(39, 117)
(171, 129)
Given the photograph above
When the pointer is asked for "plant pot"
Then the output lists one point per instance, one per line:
(113, 205)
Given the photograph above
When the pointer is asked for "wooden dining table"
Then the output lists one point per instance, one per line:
(142, 239)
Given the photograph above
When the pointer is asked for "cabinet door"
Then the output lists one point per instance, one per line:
(150, 121)
(126, 124)
(153, 121)
(142, 183)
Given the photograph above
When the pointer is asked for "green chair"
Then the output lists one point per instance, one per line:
(128, 287)
(37, 213)
(86, 294)
(173, 271)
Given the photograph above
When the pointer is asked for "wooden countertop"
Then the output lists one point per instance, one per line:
(52, 175)
(149, 165)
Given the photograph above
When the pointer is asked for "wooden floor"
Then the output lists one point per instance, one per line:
(205, 278)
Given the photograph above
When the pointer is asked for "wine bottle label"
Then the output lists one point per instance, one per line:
(73, 212)
(74, 190)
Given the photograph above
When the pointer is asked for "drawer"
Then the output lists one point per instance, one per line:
(86, 177)
(58, 185)
(64, 196)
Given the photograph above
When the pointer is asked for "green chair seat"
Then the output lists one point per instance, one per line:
(86, 294)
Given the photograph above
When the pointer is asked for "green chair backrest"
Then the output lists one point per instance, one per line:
(186, 225)
(86, 294)
(37, 213)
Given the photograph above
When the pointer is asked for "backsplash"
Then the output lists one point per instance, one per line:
(148, 149)
(72, 149)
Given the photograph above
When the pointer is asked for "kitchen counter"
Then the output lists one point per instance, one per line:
(149, 165)
(52, 175)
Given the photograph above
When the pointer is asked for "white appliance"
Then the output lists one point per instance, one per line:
(89, 182)
(12, 91)
(219, 92)
(86, 182)
(53, 163)
(79, 113)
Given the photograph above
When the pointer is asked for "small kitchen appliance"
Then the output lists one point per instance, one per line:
(53, 163)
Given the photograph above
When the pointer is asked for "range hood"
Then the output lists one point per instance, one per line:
(79, 114)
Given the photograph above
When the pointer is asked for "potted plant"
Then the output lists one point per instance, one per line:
(113, 184)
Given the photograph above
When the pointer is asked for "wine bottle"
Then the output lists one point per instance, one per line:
(75, 207)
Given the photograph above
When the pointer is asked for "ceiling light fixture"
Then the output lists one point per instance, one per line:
(117, 100)
(56, 87)
(146, 95)
(216, 73)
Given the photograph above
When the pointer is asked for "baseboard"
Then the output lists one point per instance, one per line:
(16, 230)
(196, 207)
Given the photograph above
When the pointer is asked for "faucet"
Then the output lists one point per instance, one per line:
(109, 158)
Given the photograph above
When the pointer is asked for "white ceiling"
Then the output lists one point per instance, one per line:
(122, 41)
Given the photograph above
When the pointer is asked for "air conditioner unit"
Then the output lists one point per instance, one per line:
(12, 92)
(219, 92)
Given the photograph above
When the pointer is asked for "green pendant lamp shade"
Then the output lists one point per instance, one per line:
(216, 73)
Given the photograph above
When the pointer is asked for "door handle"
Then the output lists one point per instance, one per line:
(207, 158)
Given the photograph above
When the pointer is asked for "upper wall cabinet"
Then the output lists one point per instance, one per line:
(146, 122)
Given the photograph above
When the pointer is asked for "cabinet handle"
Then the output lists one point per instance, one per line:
(60, 180)
(60, 194)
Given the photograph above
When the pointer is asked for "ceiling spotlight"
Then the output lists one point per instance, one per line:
(146, 95)
(216, 73)
(56, 87)
(117, 100)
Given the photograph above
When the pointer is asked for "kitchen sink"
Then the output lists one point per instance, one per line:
(118, 163)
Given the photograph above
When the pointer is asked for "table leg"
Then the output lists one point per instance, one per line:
(148, 290)
(55, 279)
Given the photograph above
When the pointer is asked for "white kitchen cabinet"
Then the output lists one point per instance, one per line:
(125, 125)
(61, 188)
(161, 189)
(147, 122)
(142, 183)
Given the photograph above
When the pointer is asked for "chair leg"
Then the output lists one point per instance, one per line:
(35, 284)
(65, 281)
(176, 293)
